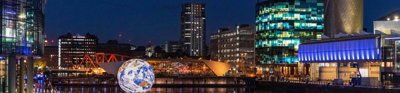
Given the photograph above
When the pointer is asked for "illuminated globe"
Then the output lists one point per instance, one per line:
(135, 75)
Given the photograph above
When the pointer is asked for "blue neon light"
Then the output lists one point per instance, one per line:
(10, 12)
(364, 49)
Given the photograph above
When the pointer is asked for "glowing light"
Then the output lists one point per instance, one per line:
(135, 75)
(341, 51)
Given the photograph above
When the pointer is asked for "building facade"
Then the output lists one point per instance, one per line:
(71, 48)
(23, 27)
(172, 46)
(150, 50)
(281, 26)
(388, 24)
(214, 44)
(234, 46)
(193, 29)
(22, 37)
(370, 57)
(343, 16)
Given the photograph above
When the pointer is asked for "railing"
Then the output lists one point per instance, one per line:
(321, 83)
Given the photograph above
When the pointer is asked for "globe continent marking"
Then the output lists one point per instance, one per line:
(135, 75)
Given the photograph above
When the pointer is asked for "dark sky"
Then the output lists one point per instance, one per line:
(158, 20)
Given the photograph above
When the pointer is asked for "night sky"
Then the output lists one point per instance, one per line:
(158, 20)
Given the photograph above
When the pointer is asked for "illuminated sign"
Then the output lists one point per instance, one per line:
(78, 36)
(352, 50)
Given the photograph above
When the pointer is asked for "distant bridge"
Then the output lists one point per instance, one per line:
(111, 63)
(91, 60)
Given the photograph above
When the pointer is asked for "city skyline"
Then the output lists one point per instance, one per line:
(241, 12)
(200, 46)
(61, 18)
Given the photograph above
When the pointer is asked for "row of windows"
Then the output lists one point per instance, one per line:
(297, 10)
(317, 26)
(228, 45)
(79, 39)
(77, 52)
(78, 42)
(229, 40)
(228, 50)
(298, 6)
(76, 49)
(228, 34)
(231, 55)
(289, 34)
(278, 58)
(278, 43)
(314, 16)
(247, 50)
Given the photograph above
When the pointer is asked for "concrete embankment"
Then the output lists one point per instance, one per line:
(311, 88)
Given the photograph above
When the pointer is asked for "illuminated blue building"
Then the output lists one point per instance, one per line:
(359, 49)
(369, 57)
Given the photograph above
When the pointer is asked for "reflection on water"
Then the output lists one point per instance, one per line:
(86, 89)
(199, 90)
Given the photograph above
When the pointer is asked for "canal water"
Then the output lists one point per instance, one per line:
(83, 89)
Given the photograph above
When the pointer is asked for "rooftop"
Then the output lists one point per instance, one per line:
(392, 16)
(346, 38)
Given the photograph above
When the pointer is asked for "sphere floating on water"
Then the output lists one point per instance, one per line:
(135, 75)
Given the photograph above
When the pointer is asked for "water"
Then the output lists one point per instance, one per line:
(88, 89)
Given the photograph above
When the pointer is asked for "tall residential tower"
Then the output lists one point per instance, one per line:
(193, 29)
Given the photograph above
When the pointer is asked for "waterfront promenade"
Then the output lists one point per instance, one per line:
(319, 87)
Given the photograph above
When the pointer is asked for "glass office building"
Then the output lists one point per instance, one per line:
(22, 27)
(283, 24)
(21, 34)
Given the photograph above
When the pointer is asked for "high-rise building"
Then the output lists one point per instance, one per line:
(343, 16)
(388, 24)
(282, 25)
(234, 46)
(71, 48)
(193, 29)
(22, 27)
(21, 38)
